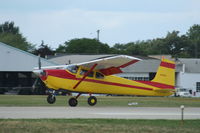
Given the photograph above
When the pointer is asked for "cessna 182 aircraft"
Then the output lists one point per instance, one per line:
(96, 77)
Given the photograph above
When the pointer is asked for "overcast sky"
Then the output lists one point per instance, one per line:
(119, 21)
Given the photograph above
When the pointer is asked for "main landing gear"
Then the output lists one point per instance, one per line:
(73, 102)
(92, 100)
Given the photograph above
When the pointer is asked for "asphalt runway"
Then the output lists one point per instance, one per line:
(98, 112)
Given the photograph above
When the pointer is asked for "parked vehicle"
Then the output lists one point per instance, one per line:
(183, 92)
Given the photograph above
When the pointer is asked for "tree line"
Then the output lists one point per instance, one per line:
(186, 45)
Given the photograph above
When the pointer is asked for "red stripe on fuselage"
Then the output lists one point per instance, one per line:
(65, 75)
(60, 74)
(118, 84)
(168, 65)
(156, 84)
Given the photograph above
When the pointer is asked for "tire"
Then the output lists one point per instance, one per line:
(73, 102)
(51, 99)
(92, 100)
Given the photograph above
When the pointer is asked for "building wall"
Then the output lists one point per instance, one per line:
(188, 81)
(13, 59)
(16, 68)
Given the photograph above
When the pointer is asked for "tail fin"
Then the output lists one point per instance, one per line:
(166, 73)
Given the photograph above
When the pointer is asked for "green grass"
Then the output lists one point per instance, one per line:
(97, 126)
(113, 101)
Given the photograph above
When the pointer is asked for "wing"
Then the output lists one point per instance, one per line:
(53, 67)
(107, 66)
(165, 90)
(111, 65)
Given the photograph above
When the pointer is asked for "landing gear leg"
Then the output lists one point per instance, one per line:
(51, 99)
(73, 101)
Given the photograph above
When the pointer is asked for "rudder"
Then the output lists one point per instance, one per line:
(165, 73)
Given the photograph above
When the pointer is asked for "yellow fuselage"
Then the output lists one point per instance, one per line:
(63, 79)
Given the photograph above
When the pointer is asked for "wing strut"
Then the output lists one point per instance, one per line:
(85, 75)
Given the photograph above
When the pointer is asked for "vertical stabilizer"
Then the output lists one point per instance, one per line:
(166, 73)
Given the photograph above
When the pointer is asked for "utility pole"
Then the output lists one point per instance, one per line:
(98, 31)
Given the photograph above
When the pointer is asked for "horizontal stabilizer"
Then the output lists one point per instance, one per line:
(164, 90)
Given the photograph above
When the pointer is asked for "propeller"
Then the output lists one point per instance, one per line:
(38, 72)
(39, 62)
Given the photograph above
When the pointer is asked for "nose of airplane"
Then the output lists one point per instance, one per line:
(38, 72)
(41, 73)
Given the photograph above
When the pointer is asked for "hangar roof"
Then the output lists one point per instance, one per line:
(148, 64)
(192, 65)
(13, 59)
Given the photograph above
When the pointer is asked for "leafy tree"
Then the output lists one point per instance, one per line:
(194, 32)
(155, 46)
(8, 27)
(194, 40)
(61, 49)
(16, 40)
(134, 48)
(173, 43)
(119, 49)
(43, 50)
(84, 46)
(10, 35)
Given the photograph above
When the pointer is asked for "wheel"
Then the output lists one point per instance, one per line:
(73, 102)
(51, 99)
(92, 100)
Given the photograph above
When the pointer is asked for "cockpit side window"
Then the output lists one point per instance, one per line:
(99, 75)
(73, 69)
(83, 72)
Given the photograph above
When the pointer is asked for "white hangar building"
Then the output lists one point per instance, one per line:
(189, 75)
(16, 67)
(187, 70)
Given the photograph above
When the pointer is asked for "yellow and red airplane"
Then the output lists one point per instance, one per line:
(96, 77)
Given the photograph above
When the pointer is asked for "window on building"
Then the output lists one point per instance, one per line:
(138, 78)
(146, 78)
(198, 86)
